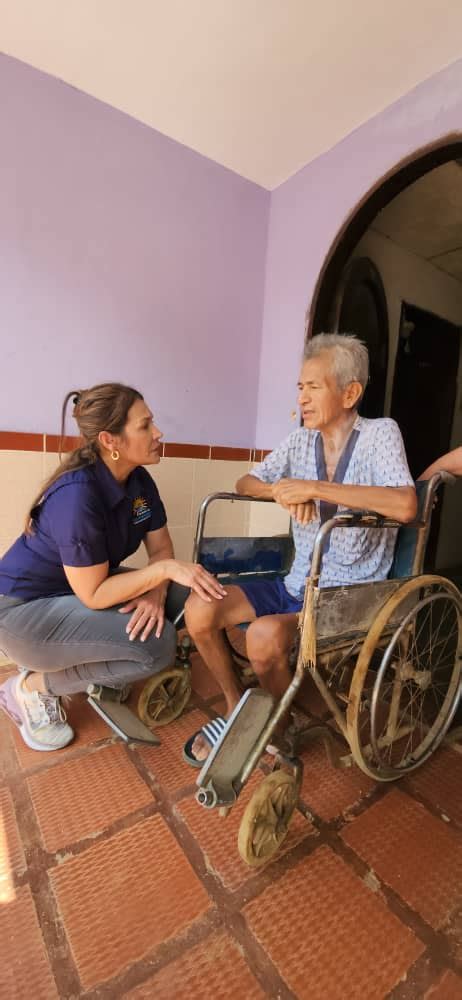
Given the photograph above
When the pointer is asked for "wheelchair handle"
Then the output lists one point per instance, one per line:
(211, 499)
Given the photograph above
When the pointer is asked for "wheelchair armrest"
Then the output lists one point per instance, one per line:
(362, 518)
(438, 479)
(349, 519)
(211, 497)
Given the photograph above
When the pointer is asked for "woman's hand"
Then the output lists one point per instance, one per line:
(148, 613)
(194, 575)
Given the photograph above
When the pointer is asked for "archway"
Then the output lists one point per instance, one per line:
(406, 235)
(387, 188)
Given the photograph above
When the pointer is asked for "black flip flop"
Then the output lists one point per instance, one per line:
(211, 732)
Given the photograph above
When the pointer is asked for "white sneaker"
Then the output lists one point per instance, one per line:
(40, 718)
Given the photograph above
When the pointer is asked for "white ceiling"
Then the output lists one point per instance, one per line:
(260, 86)
(426, 218)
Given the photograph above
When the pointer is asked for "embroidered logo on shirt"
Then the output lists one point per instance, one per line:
(141, 510)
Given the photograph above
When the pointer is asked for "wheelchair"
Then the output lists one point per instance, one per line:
(385, 658)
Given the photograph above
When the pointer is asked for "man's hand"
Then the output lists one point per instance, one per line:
(148, 613)
(303, 512)
(296, 496)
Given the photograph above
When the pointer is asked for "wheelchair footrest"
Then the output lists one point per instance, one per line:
(220, 779)
(106, 702)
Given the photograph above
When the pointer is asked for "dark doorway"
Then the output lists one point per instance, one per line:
(361, 308)
(424, 394)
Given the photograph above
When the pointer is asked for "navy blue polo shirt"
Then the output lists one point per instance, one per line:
(86, 517)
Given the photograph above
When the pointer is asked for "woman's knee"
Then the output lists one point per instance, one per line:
(162, 650)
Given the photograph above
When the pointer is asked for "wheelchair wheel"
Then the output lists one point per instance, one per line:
(266, 819)
(406, 684)
(164, 696)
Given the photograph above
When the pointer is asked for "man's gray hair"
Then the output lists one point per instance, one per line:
(350, 358)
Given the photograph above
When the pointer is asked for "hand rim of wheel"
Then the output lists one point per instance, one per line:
(363, 662)
(427, 745)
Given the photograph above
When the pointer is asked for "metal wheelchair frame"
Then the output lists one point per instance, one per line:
(385, 620)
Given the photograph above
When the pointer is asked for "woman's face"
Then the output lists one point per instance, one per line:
(140, 442)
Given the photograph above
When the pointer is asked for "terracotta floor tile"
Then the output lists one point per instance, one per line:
(330, 937)
(454, 933)
(88, 726)
(217, 837)
(124, 896)
(327, 790)
(214, 970)
(82, 797)
(415, 853)
(166, 763)
(11, 853)
(25, 971)
(448, 987)
(440, 781)
(8, 758)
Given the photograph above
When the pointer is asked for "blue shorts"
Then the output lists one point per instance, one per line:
(270, 597)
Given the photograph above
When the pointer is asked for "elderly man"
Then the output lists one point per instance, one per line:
(337, 460)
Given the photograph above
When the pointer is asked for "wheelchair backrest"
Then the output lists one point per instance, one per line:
(255, 556)
(412, 539)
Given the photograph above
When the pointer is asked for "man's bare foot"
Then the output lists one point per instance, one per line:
(200, 747)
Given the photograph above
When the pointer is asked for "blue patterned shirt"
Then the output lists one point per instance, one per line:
(373, 456)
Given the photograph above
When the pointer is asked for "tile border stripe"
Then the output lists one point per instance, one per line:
(19, 441)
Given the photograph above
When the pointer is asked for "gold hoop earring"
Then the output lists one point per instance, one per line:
(115, 455)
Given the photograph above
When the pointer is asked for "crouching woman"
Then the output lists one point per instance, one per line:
(61, 589)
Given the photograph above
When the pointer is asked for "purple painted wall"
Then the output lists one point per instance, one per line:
(307, 212)
(123, 255)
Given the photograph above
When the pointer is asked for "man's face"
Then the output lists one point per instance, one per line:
(321, 401)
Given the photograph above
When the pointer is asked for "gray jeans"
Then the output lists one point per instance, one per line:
(74, 646)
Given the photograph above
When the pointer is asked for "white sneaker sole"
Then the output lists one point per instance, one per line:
(45, 747)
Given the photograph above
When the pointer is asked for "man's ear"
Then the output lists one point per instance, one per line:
(352, 395)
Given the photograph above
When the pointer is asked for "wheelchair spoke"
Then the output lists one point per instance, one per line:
(408, 697)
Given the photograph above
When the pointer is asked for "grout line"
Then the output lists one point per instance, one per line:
(57, 948)
(226, 904)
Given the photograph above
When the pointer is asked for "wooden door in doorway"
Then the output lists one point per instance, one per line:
(424, 394)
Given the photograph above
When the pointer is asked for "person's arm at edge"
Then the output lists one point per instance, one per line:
(451, 462)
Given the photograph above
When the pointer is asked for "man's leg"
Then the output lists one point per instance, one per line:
(206, 624)
(269, 641)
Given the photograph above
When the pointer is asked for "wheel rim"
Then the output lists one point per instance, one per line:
(265, 822)
(418, 679)
(164, 697)
(371, 686)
